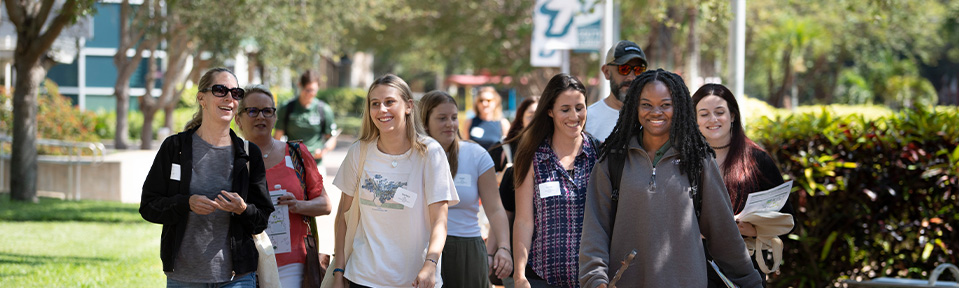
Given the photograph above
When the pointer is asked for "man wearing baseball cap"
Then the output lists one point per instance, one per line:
(624, 62)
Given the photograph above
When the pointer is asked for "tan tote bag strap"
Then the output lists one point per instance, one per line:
(353, 215)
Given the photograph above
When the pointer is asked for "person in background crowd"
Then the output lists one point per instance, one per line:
(255, 120)
(553, 163)
(745, 167)
(667, 168)
(208, 224)
(486, 128)
(466, 259)
(624, 62)
(405, 189)
(309, 119)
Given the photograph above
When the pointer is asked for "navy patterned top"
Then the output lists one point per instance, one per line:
(486, 133)
(558, 218)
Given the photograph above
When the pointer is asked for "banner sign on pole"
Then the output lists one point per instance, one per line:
(564, 25)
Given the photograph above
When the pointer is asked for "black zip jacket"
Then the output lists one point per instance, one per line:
(167, 201)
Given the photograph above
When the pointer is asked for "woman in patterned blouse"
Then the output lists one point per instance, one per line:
(553, 163)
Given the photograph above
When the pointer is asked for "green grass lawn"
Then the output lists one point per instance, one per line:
(77, 244)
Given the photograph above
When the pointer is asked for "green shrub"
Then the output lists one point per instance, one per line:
(282, 95)
(344, 101)
(57, 118)
(106, 122)
(874, 197)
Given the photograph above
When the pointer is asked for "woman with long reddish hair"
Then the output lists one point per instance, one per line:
(745, 167)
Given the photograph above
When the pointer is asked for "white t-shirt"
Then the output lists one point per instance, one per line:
(601, 119)
(473, 162)
(394, 228)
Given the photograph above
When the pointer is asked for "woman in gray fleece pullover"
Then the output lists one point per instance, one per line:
(665, 159)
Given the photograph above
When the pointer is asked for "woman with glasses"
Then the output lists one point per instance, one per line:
(209, 193)
(669, 198)
(552, 167)
(467, 260)
(256, 120)
(487, 127)
(404, 188)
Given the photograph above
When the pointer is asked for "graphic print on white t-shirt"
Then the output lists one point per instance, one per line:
(380, 191)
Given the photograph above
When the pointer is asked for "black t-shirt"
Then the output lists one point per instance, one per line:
(507, 192)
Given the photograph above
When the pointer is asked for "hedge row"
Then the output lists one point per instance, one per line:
(873, 197)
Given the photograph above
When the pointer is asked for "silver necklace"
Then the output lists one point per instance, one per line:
(267, 154)
(395, 158)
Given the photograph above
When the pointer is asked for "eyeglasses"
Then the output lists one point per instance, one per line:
(268, 112)
(638, 69)
(220, 91)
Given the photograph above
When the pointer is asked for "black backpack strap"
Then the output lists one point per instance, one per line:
(288, 109)
(323, 125)
(617, 160)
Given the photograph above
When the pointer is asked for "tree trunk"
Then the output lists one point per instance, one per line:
(146, 133)
(130, 36)
(148, 104)
(23, 164)
(180, 46)
(122, 93)
(780, 99)
(692, 51)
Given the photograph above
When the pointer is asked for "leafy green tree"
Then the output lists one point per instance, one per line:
(139, 32)
(799, 48)
(35, 35)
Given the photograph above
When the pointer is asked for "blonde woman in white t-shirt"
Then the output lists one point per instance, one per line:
(466, 259)
(404, 189)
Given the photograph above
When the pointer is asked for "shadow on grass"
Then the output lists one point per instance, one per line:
(36, 260)
(51, 209)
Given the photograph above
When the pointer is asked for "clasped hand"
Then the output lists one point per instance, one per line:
(290, 201)
(226, 201)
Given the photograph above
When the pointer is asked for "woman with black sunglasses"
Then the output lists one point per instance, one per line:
(256, 120)
(208, 224)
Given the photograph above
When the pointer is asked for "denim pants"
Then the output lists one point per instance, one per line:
(246, 281)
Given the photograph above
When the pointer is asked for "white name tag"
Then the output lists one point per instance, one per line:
(175, 172)
(463, 180)
(477, 132)
(405, 197)
(289, 162)
(549, 189)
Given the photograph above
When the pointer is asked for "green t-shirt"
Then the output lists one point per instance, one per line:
(307, 123)
(659, 153)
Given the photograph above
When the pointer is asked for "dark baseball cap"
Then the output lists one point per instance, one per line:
(624, 51)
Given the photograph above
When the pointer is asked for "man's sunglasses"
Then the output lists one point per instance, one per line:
(638, 69)
(268, 112)
(220, 91)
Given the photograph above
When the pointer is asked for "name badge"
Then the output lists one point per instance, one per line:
(463, 180)
(405, 197)
(477, 132)
(549, 189)
(289, 162)
(175, 172)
